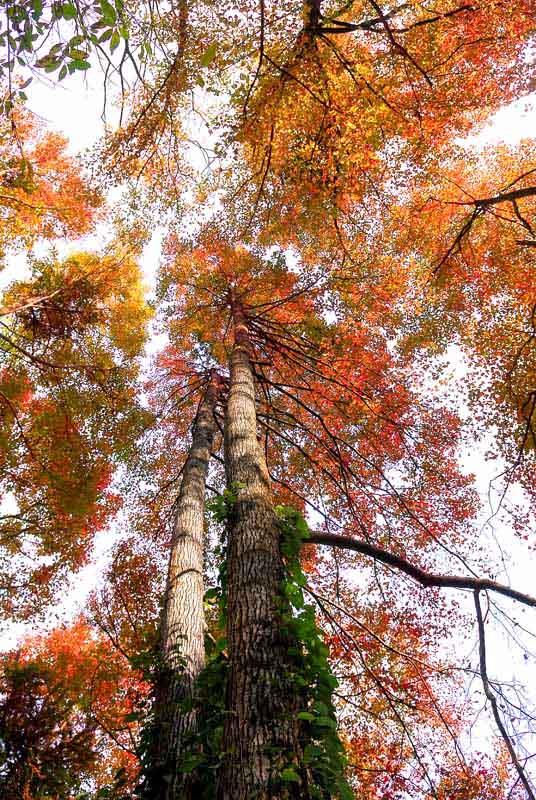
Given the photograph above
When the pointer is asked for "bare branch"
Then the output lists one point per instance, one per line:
(426, 579)
(493, 700)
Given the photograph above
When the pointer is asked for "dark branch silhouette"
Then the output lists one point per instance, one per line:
(426, 579)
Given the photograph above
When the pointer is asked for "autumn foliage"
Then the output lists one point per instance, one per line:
(66, 715)
(42, 193)
(336, 241)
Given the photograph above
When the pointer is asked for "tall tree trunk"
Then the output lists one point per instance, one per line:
(261, 731)
(183, 623)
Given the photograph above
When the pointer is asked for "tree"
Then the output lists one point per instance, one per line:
(183, 620)
(42, 194)
(342, 245)
(70, 339)
(64, 716)
(212, 289)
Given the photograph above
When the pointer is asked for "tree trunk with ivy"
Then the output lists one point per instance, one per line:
(182, 647)
(262, 732)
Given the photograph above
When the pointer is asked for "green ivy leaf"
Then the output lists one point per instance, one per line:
(311, 753)
(212, 595)
(290, 775)
(190, 763)
(326, 722)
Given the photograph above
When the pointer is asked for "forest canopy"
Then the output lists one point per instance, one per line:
(298, 467)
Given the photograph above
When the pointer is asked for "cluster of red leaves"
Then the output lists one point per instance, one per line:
(42, 193)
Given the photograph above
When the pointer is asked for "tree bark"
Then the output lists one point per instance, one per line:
(183, 622)
(261, 732)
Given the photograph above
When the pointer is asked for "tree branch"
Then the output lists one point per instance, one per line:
(493, 700)
(505, 197)
(372, 25)
(426, 579)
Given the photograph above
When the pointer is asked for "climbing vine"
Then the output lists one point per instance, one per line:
(203, 749)
(323, 754)
(321, 762)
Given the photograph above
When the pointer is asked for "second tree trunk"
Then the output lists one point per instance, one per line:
(262, 732)
(183, 623)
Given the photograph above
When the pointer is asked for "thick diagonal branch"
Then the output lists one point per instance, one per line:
(427, 579)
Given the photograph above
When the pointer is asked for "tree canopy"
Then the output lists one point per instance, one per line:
(301, 558)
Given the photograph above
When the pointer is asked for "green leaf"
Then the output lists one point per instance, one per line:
(78, 55)
(209, 55)
(326, 722)
(77, 64)
(306, 715)
(290, 775)
(345, 793)
(69, 11)
(212, 595)
(311, 753)
(52, 66)
(114, 43)
(62, 73)
(190, 762)
(331, 681)
(108, 11)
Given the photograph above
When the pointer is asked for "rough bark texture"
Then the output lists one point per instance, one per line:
(260, 699)
(183, 625)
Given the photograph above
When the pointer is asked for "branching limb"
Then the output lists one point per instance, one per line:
(493, 700)
(426, 579)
